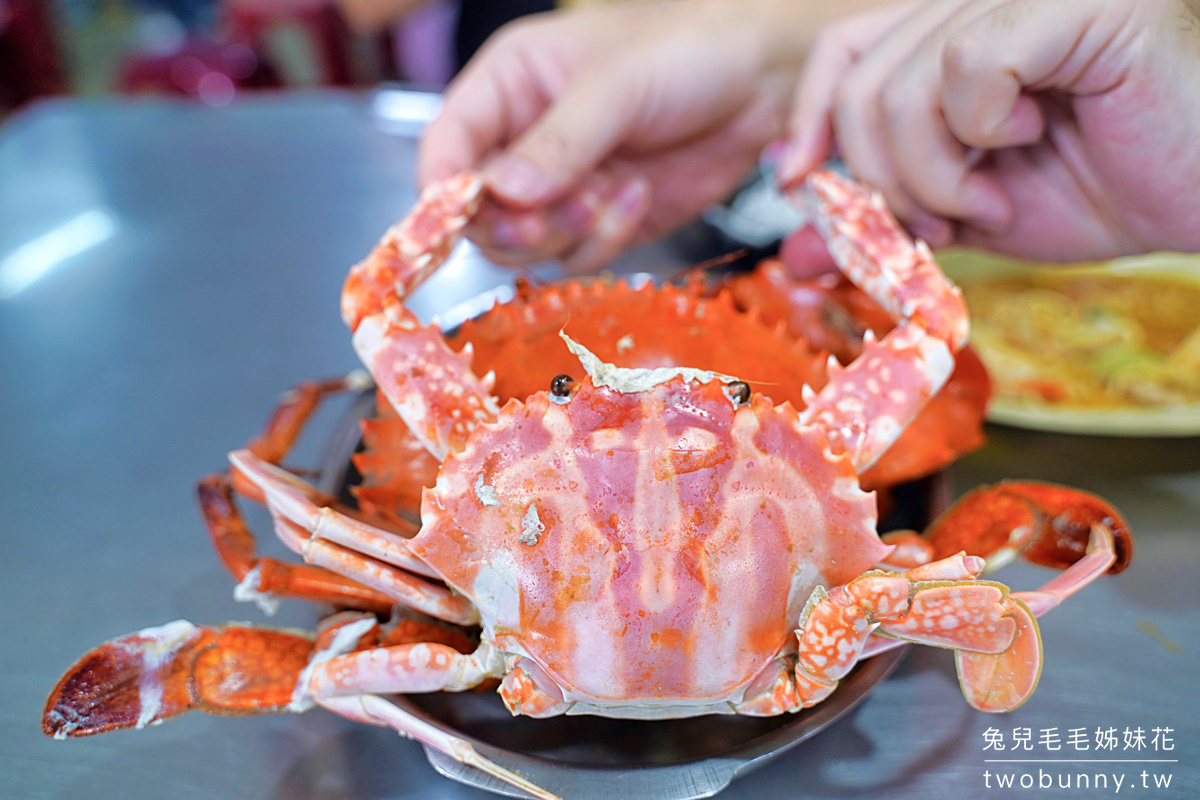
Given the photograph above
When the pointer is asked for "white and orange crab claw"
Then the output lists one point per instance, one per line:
(996, 682)
(431, 387)
(413, 248)
(942, 604)
(871, 248)
(1054, 526)
(866, 406)
(162, 672)
(1001, 681)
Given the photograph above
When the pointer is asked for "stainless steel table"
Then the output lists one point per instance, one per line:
(201, 278)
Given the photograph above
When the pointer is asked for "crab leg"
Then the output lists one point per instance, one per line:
(159, 673)
(349, 684)
(162, 672)
(430, 386)
(1050, 525)
(1047, 524)
(831, 314)
(940, 604)
(305, 514)
(305, 525)
(263, 580)
(866, 405)
(376, 710)
(288, 419)
(1100, 557)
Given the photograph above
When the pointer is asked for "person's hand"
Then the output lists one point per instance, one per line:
(1040, 128)
(607, 126)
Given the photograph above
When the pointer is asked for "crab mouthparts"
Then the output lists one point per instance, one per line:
(639, 379)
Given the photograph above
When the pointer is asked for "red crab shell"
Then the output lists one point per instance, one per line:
(621, 614)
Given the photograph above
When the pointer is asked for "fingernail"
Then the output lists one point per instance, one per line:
(789, 164)
(517, 180)
(626, 208)
(936, 231)
(578, 215)
(506, 234)
(631, 200)
(519, 232)
(988, 208)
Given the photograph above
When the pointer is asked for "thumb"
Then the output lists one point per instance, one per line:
(991, 64)
(577, 132)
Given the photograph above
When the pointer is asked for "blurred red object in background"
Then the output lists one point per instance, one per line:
(210, 72)
(252, 21)
(29, 54)
(214, 71)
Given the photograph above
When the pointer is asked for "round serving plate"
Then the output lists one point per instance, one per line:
(597, 758)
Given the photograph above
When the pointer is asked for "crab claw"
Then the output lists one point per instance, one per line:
(1047, 524)
(997, 682)
(1053, 526)
(413, 248)
(162, 672)
(994, 634)
(430, 385)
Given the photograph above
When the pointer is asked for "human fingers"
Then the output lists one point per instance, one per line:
(509, 235)
(859, 118)
(577, 131)
(616, 227)
(469, 124)
(659, 76)
(990, 64)
(805, 254)
(689, 176)
(931, 165)
(497, 95)
(604, 209)
(972, 84)
(515, 238)
(1057, 217)
(584, 229)
(834, 51)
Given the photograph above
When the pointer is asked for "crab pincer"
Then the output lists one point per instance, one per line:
(1054, 526)
(441, 399)
(863, 408)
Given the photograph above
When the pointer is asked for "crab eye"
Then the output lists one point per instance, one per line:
(738, 392)
(560, 387)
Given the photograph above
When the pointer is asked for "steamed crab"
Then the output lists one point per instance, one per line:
(639, 542)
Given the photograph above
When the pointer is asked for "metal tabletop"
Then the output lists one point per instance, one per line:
(199, 277)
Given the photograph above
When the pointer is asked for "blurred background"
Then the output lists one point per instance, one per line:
(211, 50)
